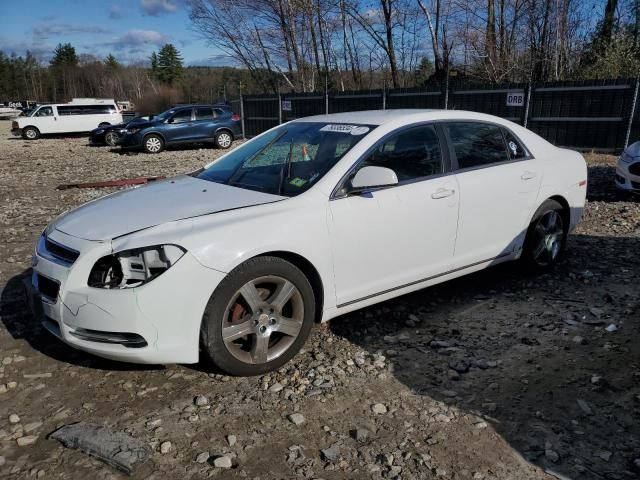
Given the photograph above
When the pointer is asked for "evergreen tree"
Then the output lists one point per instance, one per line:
(111, 63)
(166, 65)
(64, 55)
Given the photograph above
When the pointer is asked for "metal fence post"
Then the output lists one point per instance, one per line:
(384, 99)
(633, 113)
(526, 106)
(242, 111)
(446, 90)
(279, 107)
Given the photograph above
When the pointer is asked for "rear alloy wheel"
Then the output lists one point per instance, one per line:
(223, 139)
(153, 144)
(259, 317)
(546, 237)
(30, 133)
(111, 139)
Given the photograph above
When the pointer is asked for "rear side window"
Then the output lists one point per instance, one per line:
(413, 153)
(514, 146)
(477, 144)
(86, 109)
(219, 112)
(204, 113)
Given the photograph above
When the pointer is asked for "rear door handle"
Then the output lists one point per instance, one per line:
(443, 193)
(528, 175)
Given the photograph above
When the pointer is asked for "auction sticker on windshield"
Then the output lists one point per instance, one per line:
(352, 129)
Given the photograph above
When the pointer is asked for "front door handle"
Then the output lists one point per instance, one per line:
(443, 193)
(528, 175)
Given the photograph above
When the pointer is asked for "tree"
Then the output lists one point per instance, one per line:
(166, 65)
(111, 63)
(64, 55)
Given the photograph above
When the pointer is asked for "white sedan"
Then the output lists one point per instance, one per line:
(308, 221)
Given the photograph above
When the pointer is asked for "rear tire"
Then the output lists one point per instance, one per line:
(259, 317)
(546, 237)
(30, 133)
(223, 139)
(153, 143)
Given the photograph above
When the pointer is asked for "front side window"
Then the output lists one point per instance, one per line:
(287, 160)
(204, 113)
(412, 154)
(477, 144)
(182, 116)
(44, 112)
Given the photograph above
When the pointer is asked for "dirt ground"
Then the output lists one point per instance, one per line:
(498, 375)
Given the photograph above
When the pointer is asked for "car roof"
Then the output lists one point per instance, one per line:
(191, 105)
(381, 117)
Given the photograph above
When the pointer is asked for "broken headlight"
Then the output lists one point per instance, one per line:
(133, 268)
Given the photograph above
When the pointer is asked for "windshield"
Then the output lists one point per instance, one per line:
(288, 160)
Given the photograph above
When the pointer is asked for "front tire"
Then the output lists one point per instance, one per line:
(259, 317)
(153, 144)
(30, 133)
(223, 139)
(111, 139)
(546, 237)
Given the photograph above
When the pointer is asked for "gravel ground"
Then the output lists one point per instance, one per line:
(497, 375)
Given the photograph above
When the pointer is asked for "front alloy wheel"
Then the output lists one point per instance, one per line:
(153, 144)
(111, 139)
(259, 317)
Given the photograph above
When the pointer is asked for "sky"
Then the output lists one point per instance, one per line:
(129, 29)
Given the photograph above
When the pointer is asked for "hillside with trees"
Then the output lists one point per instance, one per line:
(281, 45)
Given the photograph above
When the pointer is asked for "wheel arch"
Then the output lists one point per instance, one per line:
(29, 126)
(309, 270)
(225, 129)
(154, 132)
(566, 209)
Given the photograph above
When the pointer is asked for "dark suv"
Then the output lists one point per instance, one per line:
(184, 124)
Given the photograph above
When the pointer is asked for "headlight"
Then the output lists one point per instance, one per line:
(133, 130)
(99, 131)
(133, 268)
(626, 158)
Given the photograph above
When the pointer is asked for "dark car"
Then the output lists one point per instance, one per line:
(184, 124)
(109, 134)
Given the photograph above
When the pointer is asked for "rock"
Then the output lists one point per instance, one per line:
(231, 440)
(2, 461)
(117, 449)
(551, 455)
(584, 406)
(296, 418)
(449, 393)
(202, 457)
(604, 455)
(379, 409)
(27, 440)
(360, 434)
(332, 453)
(29, 427)
(611, 328)
(201, 401)
(165, 447)
(276, 387)
(14, 418)
(579, 340)
(459, 366)
(223, 461)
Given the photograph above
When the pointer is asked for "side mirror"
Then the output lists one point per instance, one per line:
(372, 177)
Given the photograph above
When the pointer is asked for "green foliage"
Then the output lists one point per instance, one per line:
(423, 72)
(166, 65)
(619, 57)
(111, 63)
(64, 55)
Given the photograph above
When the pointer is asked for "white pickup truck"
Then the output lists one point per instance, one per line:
(79, 115)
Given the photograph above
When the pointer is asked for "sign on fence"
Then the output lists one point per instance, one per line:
(286, 105)
(515, 99)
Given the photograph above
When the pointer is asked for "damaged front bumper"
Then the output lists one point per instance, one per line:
(158, 322)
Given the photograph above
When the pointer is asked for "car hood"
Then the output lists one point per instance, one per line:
(154, 204)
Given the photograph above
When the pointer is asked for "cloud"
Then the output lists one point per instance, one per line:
(41, 32)
(115, 12)
(41, 51)
(156, 8)
(138, 40)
